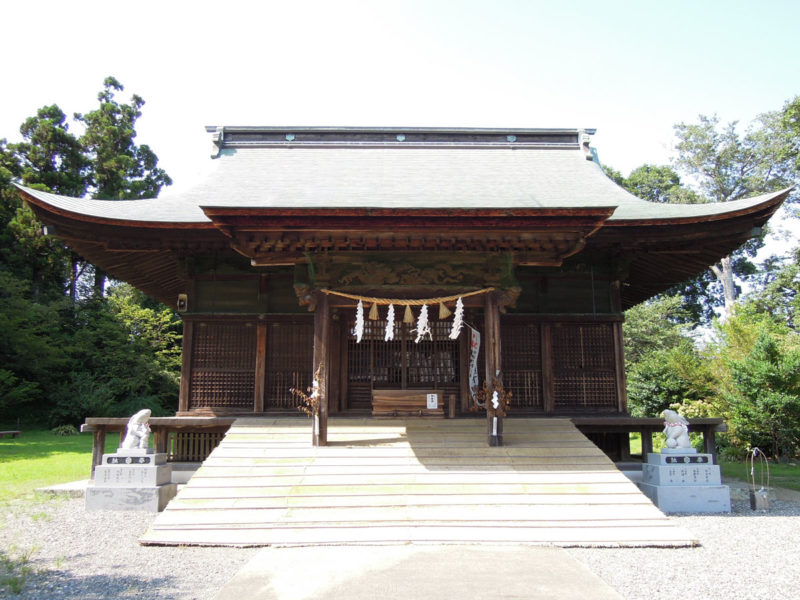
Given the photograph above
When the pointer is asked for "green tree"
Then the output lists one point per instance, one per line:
(119, 168)
(729, 166)
(88, 356)
(760, 384)
(51, 156)
(662, 364)
(659, 184)
(123, 357)
(654, 183)
(790, 128)
(52, 159)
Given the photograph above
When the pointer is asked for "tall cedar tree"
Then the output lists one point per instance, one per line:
(52, 158)
(119, 168)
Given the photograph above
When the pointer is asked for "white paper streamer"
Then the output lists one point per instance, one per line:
(495, 400)
(458, 320)
(474, 350)
(423, 327)
(359, 322)
(389, 324)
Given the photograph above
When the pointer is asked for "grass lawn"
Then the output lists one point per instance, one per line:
(785, 475)
(38, 458)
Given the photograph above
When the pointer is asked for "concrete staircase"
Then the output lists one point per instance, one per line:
(410, 480)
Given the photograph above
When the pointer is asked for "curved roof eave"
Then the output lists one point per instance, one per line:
(175, 212)
(668, 214)
(149, 212)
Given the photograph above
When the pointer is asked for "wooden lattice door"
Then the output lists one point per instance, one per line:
(289, 360)
(584, 367)
(522, 362)
(223, 365)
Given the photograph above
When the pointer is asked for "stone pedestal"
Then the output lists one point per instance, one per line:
(131, 479)
(682, 480)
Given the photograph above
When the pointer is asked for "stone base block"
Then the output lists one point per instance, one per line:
(150, 499)
(681, 474)
(689, 498)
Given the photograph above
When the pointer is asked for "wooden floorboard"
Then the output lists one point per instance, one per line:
(410, 480)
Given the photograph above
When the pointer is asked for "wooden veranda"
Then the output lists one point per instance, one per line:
(410, 481)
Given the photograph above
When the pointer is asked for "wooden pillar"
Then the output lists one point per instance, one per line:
(548, 390)
(322, 327)
(186, 367)
(619, 363)
(261, 365)
(98, 446)
(493, 368)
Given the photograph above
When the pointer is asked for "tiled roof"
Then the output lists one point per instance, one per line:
(358, 168)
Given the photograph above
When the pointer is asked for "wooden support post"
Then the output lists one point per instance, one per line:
(321, 357)
(186, 367)
(710, 442)
(619, 364)
(647, 443)
(548, 389)
(261, 366)
(160, 440)
(491, 323)
(98, 447)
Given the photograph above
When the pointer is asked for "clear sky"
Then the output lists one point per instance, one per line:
(630, 69)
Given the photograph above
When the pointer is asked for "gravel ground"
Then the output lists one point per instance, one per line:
(744, 555)
(72, 553)
(75, 553)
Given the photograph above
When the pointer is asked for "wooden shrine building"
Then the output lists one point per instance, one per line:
(267, 260)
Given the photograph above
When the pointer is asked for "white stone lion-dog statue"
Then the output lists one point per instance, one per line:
(676, 428)
(138, 431)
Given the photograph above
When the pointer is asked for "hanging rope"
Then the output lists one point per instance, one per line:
(406, 301)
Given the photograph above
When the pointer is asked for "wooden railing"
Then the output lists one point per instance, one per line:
(183, 439)
(708, 427)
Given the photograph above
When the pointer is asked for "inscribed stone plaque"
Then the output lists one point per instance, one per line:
(683, 474)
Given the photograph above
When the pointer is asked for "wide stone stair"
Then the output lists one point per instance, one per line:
(410, 480)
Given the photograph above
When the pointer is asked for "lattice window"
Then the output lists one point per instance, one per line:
(584, 373)
(223, 364)
(290, 357)
(522, 362)
(433, 363)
